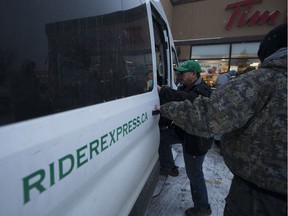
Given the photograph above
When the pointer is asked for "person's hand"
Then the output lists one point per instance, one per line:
(156, 110)
(165, 86)
(157, 107)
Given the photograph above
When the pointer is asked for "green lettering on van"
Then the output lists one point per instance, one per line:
(125, 129)
(52, 176)
(119, 131)
(68, 158)
(104, 142)
(82, 155)
(111, 133)
(94, 149)
(28, 185)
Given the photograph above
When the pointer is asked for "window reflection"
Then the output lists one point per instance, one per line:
(89, 60)
(210, 51)
(241, 64)
(241, 50)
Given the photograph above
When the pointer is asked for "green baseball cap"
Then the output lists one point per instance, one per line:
(189, 66)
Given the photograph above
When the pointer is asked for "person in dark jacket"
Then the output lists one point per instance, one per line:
(194, 147)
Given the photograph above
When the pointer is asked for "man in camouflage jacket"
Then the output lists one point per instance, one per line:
(251, 113)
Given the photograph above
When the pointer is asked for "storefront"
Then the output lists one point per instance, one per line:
(222, 35)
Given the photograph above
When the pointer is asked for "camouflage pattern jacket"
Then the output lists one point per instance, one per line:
(251, 112)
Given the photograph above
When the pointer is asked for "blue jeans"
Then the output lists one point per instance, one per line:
(193, 165)
(167, 138)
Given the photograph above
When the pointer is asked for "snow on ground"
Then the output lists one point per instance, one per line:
(175, 195)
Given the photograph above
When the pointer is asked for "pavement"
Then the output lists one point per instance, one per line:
(172, 195)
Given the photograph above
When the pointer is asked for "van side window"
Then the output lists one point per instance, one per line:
(162, 49)
(73, 63)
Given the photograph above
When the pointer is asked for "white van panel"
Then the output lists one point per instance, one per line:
(93, 160)
(36, 144)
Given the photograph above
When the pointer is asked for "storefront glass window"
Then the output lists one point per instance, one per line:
(212, 68)
(217, 59)
(241, 64)
(210, 51)
(241, 50)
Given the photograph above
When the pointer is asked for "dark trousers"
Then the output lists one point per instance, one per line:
(194, 171)
(167, 138)
(244, 200)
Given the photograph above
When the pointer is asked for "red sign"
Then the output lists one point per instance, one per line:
(243, 8)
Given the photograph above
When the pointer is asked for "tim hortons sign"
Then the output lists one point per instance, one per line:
(244, 9)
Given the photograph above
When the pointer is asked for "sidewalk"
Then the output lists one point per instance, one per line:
(175, 195)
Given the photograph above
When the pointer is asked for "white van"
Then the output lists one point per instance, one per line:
(77, 134)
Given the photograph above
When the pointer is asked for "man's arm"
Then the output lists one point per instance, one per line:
(167, 95)
(227, 109)
(188, 116)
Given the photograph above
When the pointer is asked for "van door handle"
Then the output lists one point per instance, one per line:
(155, 112)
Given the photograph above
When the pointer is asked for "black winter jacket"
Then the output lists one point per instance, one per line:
(192, 144)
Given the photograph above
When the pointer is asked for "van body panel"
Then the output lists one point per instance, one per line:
(90, 142)
(124, 153)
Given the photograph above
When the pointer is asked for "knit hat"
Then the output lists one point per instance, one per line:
(273, 41)
(189, 66)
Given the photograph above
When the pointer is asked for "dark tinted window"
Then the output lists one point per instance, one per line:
(51, 61)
